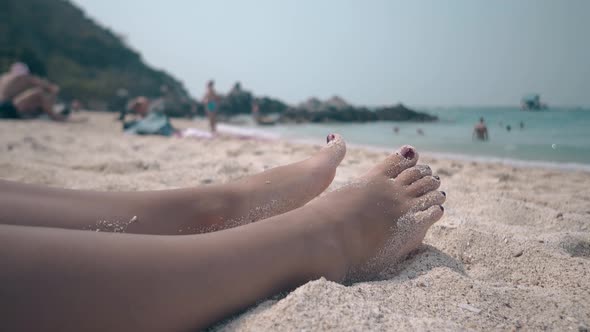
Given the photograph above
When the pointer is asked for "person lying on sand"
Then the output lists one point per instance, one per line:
(235, 243)
(148, 121)
(24, 96)
(139, 107)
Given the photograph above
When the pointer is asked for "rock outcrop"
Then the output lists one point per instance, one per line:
(335, 109)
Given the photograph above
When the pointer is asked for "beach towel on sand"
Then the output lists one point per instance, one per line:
(155, 123)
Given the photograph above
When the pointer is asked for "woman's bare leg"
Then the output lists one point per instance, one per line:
(183, 211)
(64, 280)
(212, 116)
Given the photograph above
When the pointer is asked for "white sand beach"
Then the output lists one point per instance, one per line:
(512, 251)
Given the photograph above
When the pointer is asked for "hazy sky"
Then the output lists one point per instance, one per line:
(371, 52)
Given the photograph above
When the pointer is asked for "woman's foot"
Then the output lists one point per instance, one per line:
(376, 220)
(260, 196)
(286, 188)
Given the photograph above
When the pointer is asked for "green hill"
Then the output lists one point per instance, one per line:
(90, 62)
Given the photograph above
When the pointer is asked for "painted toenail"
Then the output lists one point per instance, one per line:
(437, 177)
(444, 193)
(442, 208)
(330, 138)
(408, 152)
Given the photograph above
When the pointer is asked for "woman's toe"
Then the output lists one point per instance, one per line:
(332, 153)
(334, 139)
(429, 199)
(413, 174)
(395, 163)
(429, 216)
(423, 186)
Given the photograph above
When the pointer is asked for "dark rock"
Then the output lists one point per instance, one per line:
(402, 113)
(237, 101)
(268, 105)
(337, 110)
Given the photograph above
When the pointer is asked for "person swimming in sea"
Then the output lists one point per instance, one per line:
(480, 131)
(211, 101)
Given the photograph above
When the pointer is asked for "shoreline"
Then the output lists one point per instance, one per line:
(520, 163)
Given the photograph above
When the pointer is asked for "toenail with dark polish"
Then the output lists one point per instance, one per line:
(441, 207)
(437, 177)
(408, 152)
(330, 138)
(444, 193)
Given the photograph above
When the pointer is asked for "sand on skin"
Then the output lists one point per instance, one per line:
(513, 250)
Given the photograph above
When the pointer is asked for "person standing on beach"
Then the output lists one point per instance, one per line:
(211, 101)
(480, 131)
(256, 111)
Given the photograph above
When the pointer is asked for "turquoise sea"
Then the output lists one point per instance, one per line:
(557, 135)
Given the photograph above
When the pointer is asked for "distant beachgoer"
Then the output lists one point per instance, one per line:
(255, 110)
(76, 105)
(139, 107)
(521, 125)
(396, 129)
(420, 132)
(259, 118)
(480, 131)
(121, 103)
(148, 120)
(211, 101)
(24, 96)
(508, 128)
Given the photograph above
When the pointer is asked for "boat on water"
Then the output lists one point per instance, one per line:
(532, 102)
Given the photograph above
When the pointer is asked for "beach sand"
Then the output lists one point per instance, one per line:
(511, 252)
